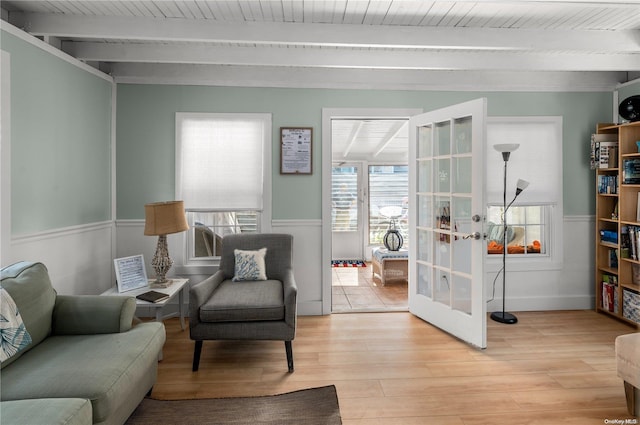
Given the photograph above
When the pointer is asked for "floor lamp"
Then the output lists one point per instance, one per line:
(506, 149)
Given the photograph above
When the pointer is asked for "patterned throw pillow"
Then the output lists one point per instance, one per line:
(250, 265)
(13, 334)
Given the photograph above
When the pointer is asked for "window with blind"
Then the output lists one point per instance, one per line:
(223, 175)
(534, 221)
(388, 200)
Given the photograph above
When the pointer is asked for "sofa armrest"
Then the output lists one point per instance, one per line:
(92, 314)
(200, 293)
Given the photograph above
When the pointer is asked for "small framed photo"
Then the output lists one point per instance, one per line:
(296, 150)
(130, 273)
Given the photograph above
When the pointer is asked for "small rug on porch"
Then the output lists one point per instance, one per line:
(348, 263)
(313, 406)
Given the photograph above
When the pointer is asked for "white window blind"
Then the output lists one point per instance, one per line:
(537, 160)
(220, 160)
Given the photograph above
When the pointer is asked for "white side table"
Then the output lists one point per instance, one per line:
(179, 287)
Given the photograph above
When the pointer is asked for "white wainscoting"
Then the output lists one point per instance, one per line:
(569, 286)
(78, 258)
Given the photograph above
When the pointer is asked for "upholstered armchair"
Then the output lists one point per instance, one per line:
(251, 297)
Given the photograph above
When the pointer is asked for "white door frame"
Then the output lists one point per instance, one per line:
(327, 115)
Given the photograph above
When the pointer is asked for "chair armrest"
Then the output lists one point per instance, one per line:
(200, 293)
(290, 297)
(92, 314)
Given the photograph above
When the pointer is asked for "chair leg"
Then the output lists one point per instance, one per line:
(287, 346)
(633, 396)
(196, 355)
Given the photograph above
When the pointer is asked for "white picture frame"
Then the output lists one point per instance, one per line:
(130, 273)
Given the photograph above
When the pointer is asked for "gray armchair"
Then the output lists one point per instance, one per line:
(223, 309)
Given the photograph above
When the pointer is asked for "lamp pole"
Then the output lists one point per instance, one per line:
(506, 149)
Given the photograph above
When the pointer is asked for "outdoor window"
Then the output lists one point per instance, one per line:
(388, 200)
(538, 209)
(344, 195)
(223, 176)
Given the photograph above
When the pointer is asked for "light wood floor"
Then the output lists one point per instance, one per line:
(393, 368)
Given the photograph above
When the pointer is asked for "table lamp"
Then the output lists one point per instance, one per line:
(162, 219)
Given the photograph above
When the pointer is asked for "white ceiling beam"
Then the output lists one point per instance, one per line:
(148, 29)
(352, 137)
(369, 79)
(393, 132)
(348, 58)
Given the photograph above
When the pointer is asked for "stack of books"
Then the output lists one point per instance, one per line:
(604, 151)
(610, 293)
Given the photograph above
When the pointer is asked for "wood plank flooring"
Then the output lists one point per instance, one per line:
(393, 368)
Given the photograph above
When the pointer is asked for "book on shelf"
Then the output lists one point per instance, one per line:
(631, 171)
(604, 151)
(608, 184)
(153, 296)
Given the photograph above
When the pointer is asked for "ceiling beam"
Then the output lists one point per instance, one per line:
(355, 130)
(393, 132)
(335, 35)
(349, 58)
(370, 79)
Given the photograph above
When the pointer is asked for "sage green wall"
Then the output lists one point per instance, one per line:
(60, 141)
(146, 134)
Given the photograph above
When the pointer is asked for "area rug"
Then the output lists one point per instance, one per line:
(348, 263)
(313, 406)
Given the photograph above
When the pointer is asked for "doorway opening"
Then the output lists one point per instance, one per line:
(369, 195)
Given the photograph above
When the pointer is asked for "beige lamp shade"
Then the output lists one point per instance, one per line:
(164, 218)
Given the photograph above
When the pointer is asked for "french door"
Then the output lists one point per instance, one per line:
(347, 200)
(446, 219)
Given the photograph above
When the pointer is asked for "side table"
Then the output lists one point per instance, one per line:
(179, 287)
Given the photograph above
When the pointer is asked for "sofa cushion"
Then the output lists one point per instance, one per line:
(245, 301)
(46, 411)
(29, 285)
(113, 371)
(14, 335)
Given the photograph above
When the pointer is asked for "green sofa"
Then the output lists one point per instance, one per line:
(83, 348)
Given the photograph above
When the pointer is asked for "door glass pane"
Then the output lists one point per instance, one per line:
(424, 245)
(443, 174)
(462, 177)
(462, 294)
(462, 135)
(442, 287)
(423, 284)
(443, 252)
(424, 211)
(443, 138)
(424, 176)
(462, 254)
(461, 219)
(425, 136)
(344, 190)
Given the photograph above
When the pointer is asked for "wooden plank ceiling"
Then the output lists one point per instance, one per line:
(396, 44)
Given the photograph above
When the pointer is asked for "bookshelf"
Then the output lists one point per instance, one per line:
(618, 225)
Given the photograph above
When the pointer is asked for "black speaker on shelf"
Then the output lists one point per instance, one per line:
(629, 108)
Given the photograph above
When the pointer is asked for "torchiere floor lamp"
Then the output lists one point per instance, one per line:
(506, 149)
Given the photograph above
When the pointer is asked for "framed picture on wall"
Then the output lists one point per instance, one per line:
(296, 150)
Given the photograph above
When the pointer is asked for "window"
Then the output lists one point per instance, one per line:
(223, 175)
(388, 200)
(538, 209)
(344, 195)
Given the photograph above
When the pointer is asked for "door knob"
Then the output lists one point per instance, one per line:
(474, 235)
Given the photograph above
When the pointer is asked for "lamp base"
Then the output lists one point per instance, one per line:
(504, 317)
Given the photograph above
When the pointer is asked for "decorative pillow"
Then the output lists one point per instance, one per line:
(496, 232)
(250, 265)
(13, 334)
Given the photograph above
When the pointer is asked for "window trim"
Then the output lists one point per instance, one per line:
(554, 258)
(264, 223)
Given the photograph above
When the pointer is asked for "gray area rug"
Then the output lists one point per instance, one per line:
(313, 406)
